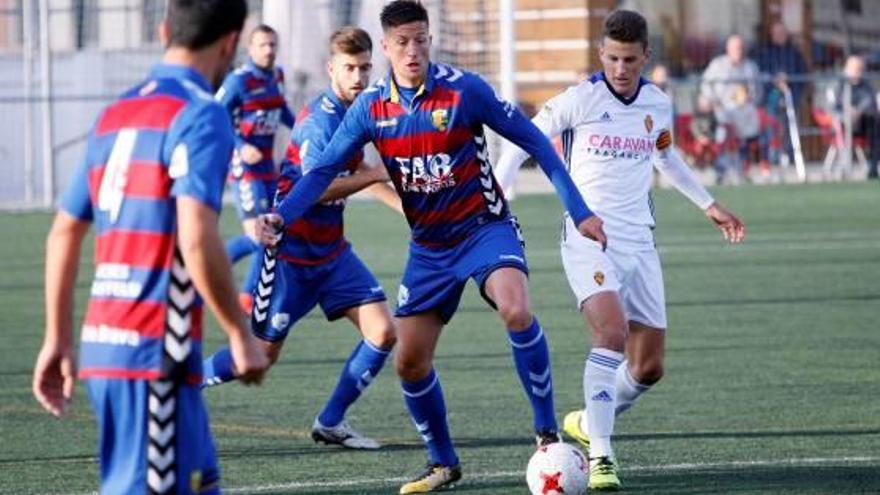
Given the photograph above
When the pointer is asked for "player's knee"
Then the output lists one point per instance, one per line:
(647, 373)
(382, 337)
(516, 314)
(411, 368)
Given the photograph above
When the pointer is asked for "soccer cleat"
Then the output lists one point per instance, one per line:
(436, 477)
(545, 438)
(571, 425)
(603, 474)
(342, 434)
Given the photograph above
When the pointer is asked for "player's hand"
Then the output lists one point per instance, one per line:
(269, 229)
(54, 378)
(591, 228)
(730, 225)
(250, 154)
(249, 358)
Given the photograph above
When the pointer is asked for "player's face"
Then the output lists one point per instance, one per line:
(408, 49)
(623, 64)
(262, 49)
(350, 74)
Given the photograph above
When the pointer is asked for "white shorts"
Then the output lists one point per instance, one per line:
(634, 273)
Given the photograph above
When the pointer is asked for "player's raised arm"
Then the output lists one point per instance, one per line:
(320, 171)
(668, 161)
(505, 119)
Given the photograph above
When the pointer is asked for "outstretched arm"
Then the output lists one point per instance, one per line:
(670, 164)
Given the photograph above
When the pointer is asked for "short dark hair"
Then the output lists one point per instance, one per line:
(626, 26)
(350, 40)
(400, 12)
(262, 28)
(195, 24)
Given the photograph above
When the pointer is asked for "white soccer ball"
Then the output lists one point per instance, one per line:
(557, 469)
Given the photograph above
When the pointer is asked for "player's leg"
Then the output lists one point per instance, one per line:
(426, 300)
(645, 305)
(292, 298)
(352, 290)
(594, 280)
(645, 347)
(417, 337)
(507, 288)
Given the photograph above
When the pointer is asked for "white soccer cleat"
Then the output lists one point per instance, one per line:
(342, 434)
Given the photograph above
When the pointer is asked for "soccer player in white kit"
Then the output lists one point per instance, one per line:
(615, 128)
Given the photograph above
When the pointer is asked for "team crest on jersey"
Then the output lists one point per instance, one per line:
(440, 119)
(599, 277)
(649, 124)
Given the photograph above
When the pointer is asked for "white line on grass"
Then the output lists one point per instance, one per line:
(476, 477)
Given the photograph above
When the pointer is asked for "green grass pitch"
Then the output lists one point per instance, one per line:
(772, 384)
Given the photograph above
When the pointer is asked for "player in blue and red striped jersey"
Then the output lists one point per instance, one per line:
(151, 183)
(253, 95)
(317, 264)
(427, 122)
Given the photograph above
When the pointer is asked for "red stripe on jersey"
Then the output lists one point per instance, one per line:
(261, 176)
(148, 112)
(425, 143)
(292, 153)
(140, 249)
(303, 113)
(267, 103)
(147, 180)
(381, 110)
(473, 205)
(251, 83)
(118, 373)
(440, 98)
(197, 316)
(245, 127)
(145, 317)
(314, 233)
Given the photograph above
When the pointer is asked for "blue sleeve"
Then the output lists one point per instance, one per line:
(313, 139)
(352, 134)
(229, 96)
(76, 200)
(199, 149)
(287, 117)
(506, 120)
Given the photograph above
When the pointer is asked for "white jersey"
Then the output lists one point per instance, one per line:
(609, 144)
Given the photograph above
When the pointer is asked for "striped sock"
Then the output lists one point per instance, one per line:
(362, 366)
(532, 359)
(424, 399)
(599, 394)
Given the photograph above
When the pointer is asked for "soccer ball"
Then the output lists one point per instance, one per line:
(556, 469)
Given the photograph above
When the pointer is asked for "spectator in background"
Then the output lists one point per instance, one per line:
(865, 115)
(730, 82)
(779, 60)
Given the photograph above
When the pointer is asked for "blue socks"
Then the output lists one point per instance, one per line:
(362, 366)
(424, 399)
(239, 247)
(532, 359)
(218, 368)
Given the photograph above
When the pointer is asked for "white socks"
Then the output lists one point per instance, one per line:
(600, 396)
(628, 389)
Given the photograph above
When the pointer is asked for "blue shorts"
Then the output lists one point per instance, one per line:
(252, 197)
(434, 278)
(170, 448)
(341, 284)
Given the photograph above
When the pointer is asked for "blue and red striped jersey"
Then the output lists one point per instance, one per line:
(434, 148)
(317, 237)
(254, 98)
(165, 138)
